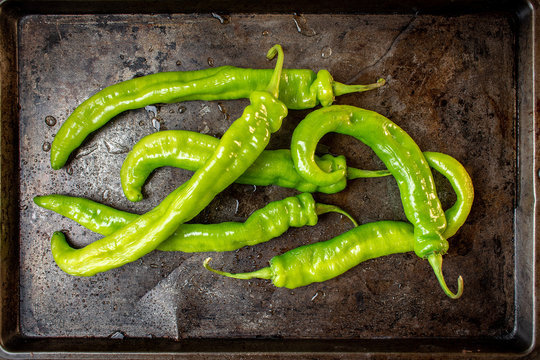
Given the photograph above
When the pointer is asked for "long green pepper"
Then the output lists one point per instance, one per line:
(239, 147)
(397, 150)
(263, 225)
(298, 89)
(325, 260)
(189, 150)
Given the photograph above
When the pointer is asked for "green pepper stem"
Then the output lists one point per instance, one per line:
(354, 173)
(273, 86)
(341, 89)
(264, 273)
(325, 208)
(435, 261)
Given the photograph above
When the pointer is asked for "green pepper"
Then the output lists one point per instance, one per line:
(398, 152)
(299, 89)
(189, 150)
(325, 260)
(239, 147)
(263, 225)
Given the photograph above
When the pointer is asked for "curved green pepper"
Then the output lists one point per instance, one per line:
(299, 89)
(189, 150)
(239, 147)
(263, 225)
(325, 260)
(398, 152)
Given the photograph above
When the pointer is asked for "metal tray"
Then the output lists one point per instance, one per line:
(460, 80)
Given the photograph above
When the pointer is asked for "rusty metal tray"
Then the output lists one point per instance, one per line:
(460, 79)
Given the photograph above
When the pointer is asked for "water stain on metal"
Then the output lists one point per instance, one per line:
(302, 25)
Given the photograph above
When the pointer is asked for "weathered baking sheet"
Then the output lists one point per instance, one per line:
(458, 83)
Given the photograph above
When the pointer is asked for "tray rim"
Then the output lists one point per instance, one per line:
(521, 342)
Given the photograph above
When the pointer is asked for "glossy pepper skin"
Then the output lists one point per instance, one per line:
(462, 184)
(325, 260)
(397, 150)
(239, 147)
(298, 89)
(189, 150)
(263, 225)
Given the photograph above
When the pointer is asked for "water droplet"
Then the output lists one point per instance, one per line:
(117, 335)
(237, 205)
(326, 52)
(154, 266)
(302, 25)
(318, 295)
(178, 63)
(152, 109)
(171, 111)
(182, 109)
(265, 33)
(223, 19)
(156, 124)
(46, 146)
(206, 129)
(223, 110)
(210, 61)
(115, 148)
(254, 188)
(105, 194)
(50, 120)
(86, 150)
(69, 170)
(205, 109)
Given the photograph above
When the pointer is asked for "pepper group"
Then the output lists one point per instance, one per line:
(240, 156)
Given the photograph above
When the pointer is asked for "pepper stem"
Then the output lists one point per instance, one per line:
(273, 86)
(435, 261)
(264, 273)
(342, 89)
(325, 208)
(354, 173)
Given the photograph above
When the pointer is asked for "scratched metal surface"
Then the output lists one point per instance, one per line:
(450, 84)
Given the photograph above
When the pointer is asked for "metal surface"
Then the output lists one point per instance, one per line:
(457, 84)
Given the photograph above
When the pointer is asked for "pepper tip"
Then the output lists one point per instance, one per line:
(274, 50)
(435, 260)
(206, 262)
